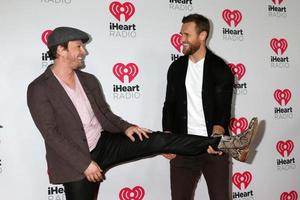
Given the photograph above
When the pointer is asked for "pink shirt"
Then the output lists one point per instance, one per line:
(92, 127)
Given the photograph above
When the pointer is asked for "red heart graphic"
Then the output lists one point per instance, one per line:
(116, 9)
(242, 178)
(293, 195)
(176, 41)
(287, 146)
(45, 36)
(237, 126)
(237, 70)
(229, 16)
(277, 45)
(130, 70)
(282, 97)
(137, 193)
(277, 1)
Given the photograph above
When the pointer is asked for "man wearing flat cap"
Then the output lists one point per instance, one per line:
(69, 109)
(83, 138)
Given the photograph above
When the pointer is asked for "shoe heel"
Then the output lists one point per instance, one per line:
(253, 126)
(244, 155)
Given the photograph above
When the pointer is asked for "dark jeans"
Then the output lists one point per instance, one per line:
(187, 170)
(116, 148)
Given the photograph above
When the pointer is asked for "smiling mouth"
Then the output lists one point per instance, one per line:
(81, 59)
(185, 46)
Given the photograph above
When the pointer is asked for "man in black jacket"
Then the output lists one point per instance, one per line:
(198, 101)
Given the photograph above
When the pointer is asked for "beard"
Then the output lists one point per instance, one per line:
(191, 49)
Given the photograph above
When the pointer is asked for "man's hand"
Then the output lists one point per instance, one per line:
(141, 132)
(210, 150)
(93, 173)
(169, 156)
(218, 130)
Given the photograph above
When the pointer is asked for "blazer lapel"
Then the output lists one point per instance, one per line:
(59, 92)
(182, 75)
(88, 93)
(206, 77)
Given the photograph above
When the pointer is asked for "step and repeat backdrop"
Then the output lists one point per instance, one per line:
(133, 43)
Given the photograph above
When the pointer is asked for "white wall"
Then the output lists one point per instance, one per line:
(271, 174)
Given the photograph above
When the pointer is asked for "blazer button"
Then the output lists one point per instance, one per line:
(184, 117)
(84, 139)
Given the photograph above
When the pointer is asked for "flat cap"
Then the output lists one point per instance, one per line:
(61, 35)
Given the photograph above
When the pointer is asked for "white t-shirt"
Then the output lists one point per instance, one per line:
(195, 120)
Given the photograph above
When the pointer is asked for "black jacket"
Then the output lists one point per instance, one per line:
(217, 90)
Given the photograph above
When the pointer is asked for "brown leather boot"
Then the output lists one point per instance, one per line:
(238, 146)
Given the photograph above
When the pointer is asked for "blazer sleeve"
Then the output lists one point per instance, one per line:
(224, 81)
(43, 116)
(109, 116)
(169, 103)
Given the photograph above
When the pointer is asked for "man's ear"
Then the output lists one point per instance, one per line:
(60, 50)
(203, 35)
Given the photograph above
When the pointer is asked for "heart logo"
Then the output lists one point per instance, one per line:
(234, 16)
(277, 1)
(137, 193)
(237, 126)
(277, 45)
(45, 36)
(237, 70)
(176, 41)
(242, 178)
(282, 96)
(293, 195)
(130, 70)
(116, 9)
(286, 146)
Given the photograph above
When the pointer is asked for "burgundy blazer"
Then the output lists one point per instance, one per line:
(55, 116)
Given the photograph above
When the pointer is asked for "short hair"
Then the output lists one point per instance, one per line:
(202, 23)
(53, 50)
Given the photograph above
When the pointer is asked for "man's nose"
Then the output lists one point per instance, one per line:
(83, 50)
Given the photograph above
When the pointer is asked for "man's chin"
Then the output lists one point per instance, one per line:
(81, 66)
(186, 53)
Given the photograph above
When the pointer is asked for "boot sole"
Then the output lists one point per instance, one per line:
(253, 126)
(244, 155)
(245, 152)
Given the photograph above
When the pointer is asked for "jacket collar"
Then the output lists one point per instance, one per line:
(56, 88)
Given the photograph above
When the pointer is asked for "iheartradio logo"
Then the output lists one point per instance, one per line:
(45, 36)
(242, 178)
(176, 41)
(238, 125)
(130, 70)
(278, 2)
(237, 70)
(286, 146)
(282, 96)
(116, 9)
(279, 44)
(293, 195)
(137, 193)
(234, 16)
